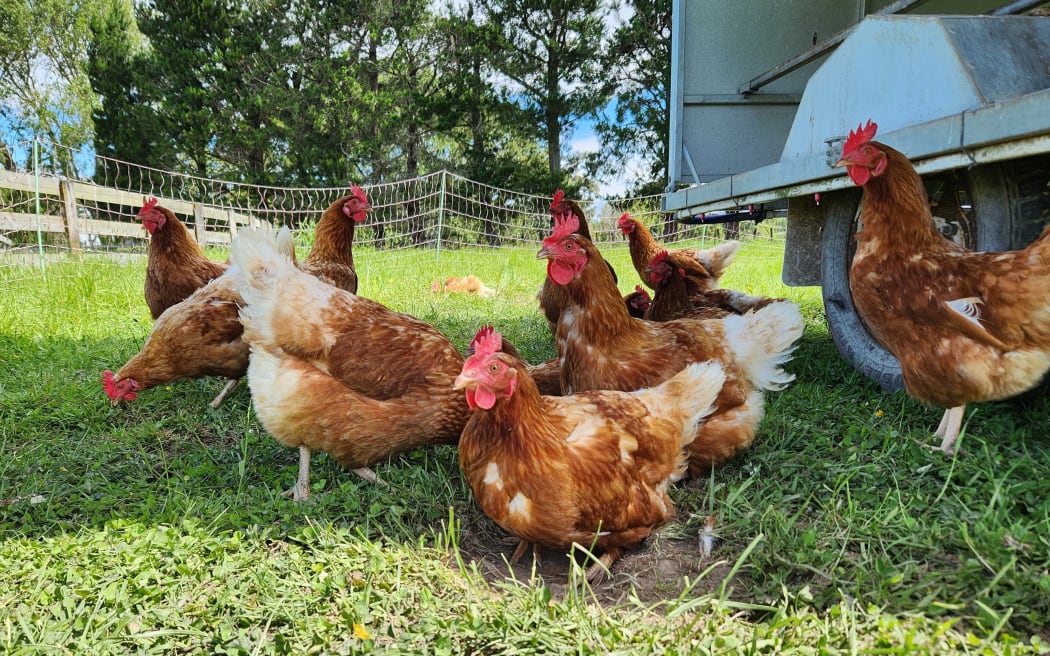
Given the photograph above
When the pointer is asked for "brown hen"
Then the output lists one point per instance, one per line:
(552, 298)
(175, 265)
(336, 372)
(706, 265)
(680, 295)
(966, 327)
(332, 257)
(203, 337)
(590, 469)
(601, 346)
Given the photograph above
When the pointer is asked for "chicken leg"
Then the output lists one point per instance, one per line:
(301, 490)
(596, 572)
(225, 390)
(519, 551)
(370, 476)
(949, 427)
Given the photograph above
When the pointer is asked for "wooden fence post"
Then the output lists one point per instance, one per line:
(232, 220)
(69, 214)
(198, 223)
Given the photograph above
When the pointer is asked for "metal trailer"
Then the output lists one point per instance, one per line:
(763, 93)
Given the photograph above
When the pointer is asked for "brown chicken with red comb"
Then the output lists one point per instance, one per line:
(332, 257)
(336, 372)
(175, 267)
(552, 299)
(680, 295)
(706, 265)
(590, 469)
(200, 336)
(600, 346)
(966, 327)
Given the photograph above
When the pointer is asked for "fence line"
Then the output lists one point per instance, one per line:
(437, 211)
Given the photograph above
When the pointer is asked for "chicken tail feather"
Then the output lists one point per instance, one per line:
(253, 250)
(277, 296)
(689, 394)
(763, 340)
(286, 244)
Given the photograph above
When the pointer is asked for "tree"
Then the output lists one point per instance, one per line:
(127, 125)
(44, 90)
(484, 134)
(327, 92)
(549, 50)
(639, 63)
(318, 93)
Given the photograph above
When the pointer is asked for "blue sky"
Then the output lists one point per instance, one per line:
(585, 140)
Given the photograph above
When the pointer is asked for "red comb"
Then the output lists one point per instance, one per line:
(148, 203)
(559, 196)
(359, 193)
(565, 225)
(486, 342)
(862, 135)
(638, 289)
(658, 258)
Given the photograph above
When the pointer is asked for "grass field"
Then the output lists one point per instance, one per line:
(158, 527)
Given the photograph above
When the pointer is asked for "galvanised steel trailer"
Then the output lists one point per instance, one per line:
(763, 93)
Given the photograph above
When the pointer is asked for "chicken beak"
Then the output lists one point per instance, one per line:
(462, 381)
(544, 253)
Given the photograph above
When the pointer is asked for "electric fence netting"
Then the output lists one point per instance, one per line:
(44, 216)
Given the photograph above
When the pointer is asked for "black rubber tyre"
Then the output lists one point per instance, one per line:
(987, 208)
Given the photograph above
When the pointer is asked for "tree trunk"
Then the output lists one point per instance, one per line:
(551, 115)
(373, 84)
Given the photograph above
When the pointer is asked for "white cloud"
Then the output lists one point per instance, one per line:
(586, 141)
(587, 144)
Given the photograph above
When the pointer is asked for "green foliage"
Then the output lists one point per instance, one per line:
(324, 93)
(638, 59)
(44, 88)
(126, 121)
(480, 133)
(549, 53)
(158, 527)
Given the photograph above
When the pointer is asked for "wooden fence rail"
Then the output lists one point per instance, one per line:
(74, 195)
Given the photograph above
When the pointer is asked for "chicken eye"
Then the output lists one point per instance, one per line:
(494, 368)
(568, 246)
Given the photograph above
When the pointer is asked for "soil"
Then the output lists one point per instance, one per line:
(654, 571)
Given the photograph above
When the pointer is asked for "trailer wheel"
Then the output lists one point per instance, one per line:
(975, 207)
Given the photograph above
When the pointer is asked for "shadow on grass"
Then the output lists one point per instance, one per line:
(840, 484)
(72, 461)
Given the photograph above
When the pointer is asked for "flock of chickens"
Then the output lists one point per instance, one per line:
(645, 389)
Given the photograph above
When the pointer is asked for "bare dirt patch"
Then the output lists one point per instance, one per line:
(657, 570)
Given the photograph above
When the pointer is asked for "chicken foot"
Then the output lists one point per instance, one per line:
(225, 390)
(519, 551)
(596, 572)
(949, 427)
(301, 490)
(370, 476)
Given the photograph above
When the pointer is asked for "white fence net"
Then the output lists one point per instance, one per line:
(42, 215)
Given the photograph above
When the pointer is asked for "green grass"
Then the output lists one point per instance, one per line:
(158, 527)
